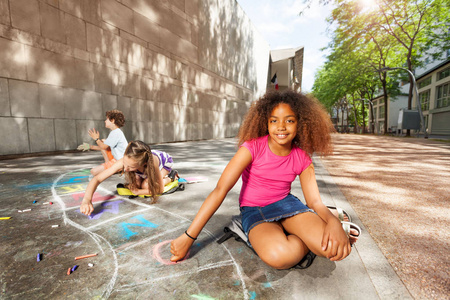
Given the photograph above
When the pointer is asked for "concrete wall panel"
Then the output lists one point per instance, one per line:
(12, 60)
(25, 15)
(88, 10)
(72, 103)
(179, 46)
(24, 99)
(103, 78)
(147, 30)
(124, 105)
(5, 108)
(75, 31)
(49, 68)
(118, 15)
(52, 20)
(4, 12)
(51, 99)
(109, 102)
(15, 133)
(42, 135)
(65, 134)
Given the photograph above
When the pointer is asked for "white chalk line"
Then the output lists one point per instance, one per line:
(116, 218)
(150, 206)
(93, 235)
(220, 264)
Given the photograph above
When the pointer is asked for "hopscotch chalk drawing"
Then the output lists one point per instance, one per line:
(134, 237)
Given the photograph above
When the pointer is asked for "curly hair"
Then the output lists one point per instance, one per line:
(117, 116)
(142, 154)
(314, 124)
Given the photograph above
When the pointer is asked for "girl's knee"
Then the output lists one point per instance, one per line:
(279, 257)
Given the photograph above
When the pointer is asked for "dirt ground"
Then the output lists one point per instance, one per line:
(399, 187)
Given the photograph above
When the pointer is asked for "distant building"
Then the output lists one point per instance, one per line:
(288, 65)
(433, 83)
(434, 95)
(393, 109)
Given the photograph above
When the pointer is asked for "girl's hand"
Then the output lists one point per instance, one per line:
(135, 191)
(180, 246)
(335, 241)
(86, 207)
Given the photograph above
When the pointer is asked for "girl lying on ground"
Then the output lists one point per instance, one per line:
(146, 171)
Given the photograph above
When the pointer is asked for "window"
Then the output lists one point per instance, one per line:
(425, 100)
(425, 82)
(381, 111)
(442, 95)
(443, 74)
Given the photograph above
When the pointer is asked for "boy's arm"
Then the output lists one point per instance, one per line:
(93, 133)
(98, 148)
(86, 205)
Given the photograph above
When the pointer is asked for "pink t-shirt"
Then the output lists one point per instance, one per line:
(268, 178)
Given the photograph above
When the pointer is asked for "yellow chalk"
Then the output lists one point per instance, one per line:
(5, 218)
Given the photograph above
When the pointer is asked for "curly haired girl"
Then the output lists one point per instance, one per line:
(277, 138)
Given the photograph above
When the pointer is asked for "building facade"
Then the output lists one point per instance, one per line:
(288, 65)
(434, 96)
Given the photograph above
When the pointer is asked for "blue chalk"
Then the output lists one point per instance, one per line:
(34, 201)
(38, 257)
(74, 268)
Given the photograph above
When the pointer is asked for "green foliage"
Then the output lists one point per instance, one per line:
(394, 33)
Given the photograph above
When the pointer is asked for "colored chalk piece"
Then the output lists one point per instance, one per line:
(74, 268)
(39, 256)
(54, 226)
(85, 256)
(5, 218)
(90, 265)
(25, 210)
(69, 271)
(34, 201)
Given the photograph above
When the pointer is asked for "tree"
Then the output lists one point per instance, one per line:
(392, 33)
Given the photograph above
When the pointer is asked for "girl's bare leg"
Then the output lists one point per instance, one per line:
(105, 156)
(309, 227)
(166, 179)
(96, 170)
(275, 248)
(282, 251)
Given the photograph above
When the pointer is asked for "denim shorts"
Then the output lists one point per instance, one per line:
(284, 208)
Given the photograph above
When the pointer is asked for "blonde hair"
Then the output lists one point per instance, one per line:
(142, 154)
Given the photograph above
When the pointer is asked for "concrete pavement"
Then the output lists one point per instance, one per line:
(131, 238)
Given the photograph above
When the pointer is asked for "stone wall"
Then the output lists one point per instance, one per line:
(179, 70)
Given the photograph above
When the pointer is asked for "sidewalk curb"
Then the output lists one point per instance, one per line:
(384, 279)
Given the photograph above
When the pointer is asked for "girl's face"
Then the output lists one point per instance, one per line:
(282, 124)
(130, 165)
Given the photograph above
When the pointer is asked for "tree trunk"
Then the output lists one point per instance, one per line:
(385, 97)
(363, 108)
(411, 88)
